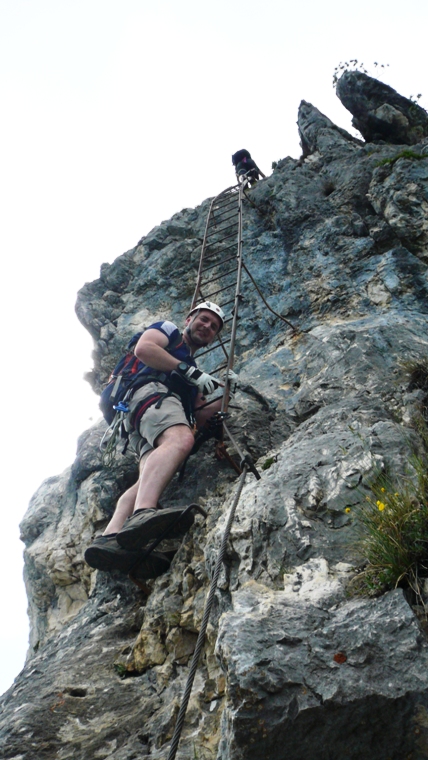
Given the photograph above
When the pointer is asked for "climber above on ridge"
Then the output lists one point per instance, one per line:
(246, 167)
(161, 418)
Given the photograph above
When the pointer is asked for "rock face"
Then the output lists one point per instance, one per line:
(379, 112)
(293, 667)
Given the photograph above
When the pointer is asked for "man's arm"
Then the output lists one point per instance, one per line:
(150, 349)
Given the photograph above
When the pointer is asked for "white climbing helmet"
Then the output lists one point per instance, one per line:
(209, 306)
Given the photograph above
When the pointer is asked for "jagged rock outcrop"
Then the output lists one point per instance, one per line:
(318, 132)
(379, 112)
(293, 665)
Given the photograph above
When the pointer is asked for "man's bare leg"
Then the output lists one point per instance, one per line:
(126, 503)
(124, 508)
(157, 468)
(172, 448)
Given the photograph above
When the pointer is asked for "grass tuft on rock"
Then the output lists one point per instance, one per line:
(410, 155)
(394, 542)
(393, 520)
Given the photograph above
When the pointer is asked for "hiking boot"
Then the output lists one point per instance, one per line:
(105, 554)
(148, 524)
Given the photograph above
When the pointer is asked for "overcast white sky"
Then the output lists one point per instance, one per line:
(115, 115)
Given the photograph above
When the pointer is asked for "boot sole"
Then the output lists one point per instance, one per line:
(138, 535)
(101, 559)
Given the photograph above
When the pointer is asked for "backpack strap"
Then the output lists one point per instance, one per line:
(115, 387)
(142, 407)
(158, 376)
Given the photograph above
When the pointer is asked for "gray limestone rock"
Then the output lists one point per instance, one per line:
(293, 666)
(316, 130)
(305, 676)
(397, 188)
(379, 112)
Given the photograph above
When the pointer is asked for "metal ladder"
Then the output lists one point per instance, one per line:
(220, 263)
(220, 271)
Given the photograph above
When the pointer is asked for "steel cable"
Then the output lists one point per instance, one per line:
(207, 611)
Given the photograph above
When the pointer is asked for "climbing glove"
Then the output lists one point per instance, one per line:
(232, 378)
(205, 383)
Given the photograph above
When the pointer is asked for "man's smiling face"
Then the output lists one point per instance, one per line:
(203, 327)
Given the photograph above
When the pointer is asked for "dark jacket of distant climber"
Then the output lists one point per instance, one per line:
(245, 166)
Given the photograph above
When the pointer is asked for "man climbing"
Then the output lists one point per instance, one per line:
(160, 421)
(245, 167)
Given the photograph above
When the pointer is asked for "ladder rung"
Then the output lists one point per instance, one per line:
(212, 255)
(225, 238)
(225, 201)
(227, 196)
(223, 274)
(215, 217)
(222, 250)
(212, 348)
(219, 243)
(217, 263)
(219, 369)
(220, 230)
(227, 303)
(224, 219)
(220, 290)
(206, 285)
(220, 213)
(213, 230)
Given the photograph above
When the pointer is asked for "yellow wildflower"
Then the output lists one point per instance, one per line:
(383, 490)
(347, 510)
(380, 505)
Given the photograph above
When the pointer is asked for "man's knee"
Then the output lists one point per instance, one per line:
(179, 436)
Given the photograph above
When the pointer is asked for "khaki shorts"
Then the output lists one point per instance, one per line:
(154, 421)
